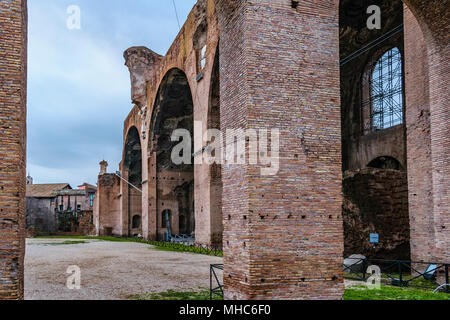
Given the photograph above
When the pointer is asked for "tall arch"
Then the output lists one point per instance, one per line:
(173, 184)
(426, 80)
(432, 17)
(372, 112)
(215, 170)
(132, 172)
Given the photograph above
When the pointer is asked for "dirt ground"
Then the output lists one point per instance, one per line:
(109, 270)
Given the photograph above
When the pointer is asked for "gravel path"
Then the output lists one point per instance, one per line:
(109, 270)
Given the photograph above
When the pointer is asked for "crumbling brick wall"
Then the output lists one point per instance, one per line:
(107, 206)
(40, 217)
(79, 223)
(376, 201)
(13, 55)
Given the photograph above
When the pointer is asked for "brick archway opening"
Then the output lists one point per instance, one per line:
(373, 124)
(132, 171)
(173, 110)
(215, 170)
(417, 29)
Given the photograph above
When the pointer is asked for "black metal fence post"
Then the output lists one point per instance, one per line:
(447, 288)
(212, 272)
(364, 268)
(210, 283)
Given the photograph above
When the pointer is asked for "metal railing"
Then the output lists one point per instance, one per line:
(215, 285)
(401, 273)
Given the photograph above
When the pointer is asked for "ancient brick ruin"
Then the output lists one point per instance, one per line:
(262, 65)
(13, 70)
(57, 209)
(376, 201)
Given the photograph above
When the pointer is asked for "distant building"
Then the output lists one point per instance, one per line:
(41, 207)
(57, 208)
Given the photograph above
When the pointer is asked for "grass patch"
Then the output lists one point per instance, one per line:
(165, 246)
(64, 243)
(354, 293)
(175, 247)
(415, 282)
(392, 293)
(201, 294)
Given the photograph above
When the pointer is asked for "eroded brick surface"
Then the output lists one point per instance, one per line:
(376, 201)
(13, 37)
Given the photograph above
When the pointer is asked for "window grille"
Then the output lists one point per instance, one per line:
(383, 107)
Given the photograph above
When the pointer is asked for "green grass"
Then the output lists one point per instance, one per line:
(355, 293)
(418, 282)
(64, 243)
(165, 246)
(392, 293)
(201, 294)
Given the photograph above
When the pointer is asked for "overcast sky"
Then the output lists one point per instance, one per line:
(78, 86)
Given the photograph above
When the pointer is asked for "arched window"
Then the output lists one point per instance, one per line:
(136, 223)
(385, 101)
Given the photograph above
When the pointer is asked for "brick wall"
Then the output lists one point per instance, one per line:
(13, 53)
(278, 68)
(181, 55)
(283, 236)
(107, 206)
(419, 141)
(433, 17)
(75, 223)
(376, 201)
(40, 216)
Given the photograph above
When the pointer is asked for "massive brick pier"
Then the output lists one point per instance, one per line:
(13, 66)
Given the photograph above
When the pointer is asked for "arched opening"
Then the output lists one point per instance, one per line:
(373, 108)
(136, 222)
(132, 172)
(385, 163)
(216, 186)
(173, 111)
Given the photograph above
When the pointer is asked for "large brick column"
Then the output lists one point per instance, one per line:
(433, 17)
(283, 235)
(420, 180)
(13, 43)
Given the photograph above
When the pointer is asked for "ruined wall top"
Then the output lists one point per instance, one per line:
(141, 62)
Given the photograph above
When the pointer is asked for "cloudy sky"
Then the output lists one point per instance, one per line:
(78, 86)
